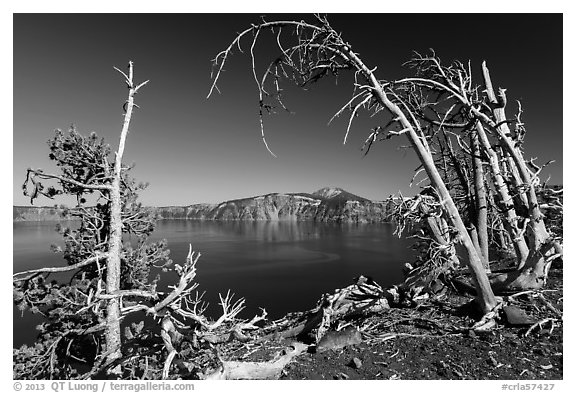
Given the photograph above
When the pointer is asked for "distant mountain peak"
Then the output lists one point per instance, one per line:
(336, 194)
(329, 192)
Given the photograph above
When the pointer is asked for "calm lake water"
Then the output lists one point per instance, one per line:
(281, 266)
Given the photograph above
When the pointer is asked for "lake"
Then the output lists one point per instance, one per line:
(280, 266)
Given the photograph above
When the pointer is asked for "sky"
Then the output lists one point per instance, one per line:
(192, 149)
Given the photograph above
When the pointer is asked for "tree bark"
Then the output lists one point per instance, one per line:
(113, 330)
(515, 177)
(480, 202)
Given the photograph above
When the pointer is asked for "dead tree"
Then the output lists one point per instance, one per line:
(319, 50)
(482, 114)
(543, 248)
(113, 265)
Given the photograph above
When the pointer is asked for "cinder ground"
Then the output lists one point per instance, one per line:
(434, 343)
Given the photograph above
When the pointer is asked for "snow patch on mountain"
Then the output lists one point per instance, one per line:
(328, 192)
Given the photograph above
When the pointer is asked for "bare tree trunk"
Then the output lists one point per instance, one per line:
(474, 237)
(521, 198)
(532, 274)
(499, 235)
(437, 227)
(113, 331)
(503, 236)
(480, 201)
(504, 198)
(461, 174)
(485, 296)
(538, 233)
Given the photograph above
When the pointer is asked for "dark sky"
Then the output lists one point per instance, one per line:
(192, 149)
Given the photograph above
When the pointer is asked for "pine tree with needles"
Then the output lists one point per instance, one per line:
(111, 274)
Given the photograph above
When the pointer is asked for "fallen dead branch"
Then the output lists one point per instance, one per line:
(549, 305)
(390, 336)
(540, 325)
(257, 370)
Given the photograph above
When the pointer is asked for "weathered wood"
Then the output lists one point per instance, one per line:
(230, 370)
(485, 296)
(113, 332)
(481, 206)
(538, 234)
(363, 297)
(503, 197)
